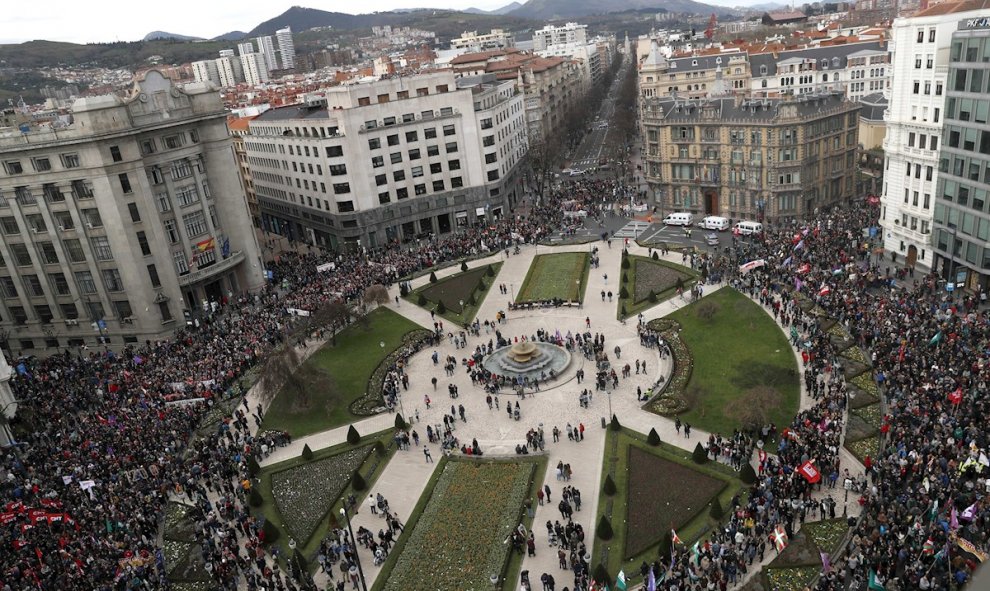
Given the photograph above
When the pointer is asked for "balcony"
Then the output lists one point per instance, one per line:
(222, 265)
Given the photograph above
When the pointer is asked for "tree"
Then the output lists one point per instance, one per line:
(609, 486)
(353, 437)
(653, 297)
(604, 529)
(747, 474)
(307, 454)
(357, 481)
(653, 438)
(376, 295)
(433, 276)
(716, 512)
(625, 277)
(471, 301)
(254, 498)
(464, 266)
(623, 292)
(441, 308)
(421, 299)
(614, 425)
(400, 423)
(656, 256)
(252, 466)
(379, 448)
(623, 311)
(403, 289)
(752, 408)
(700, 456)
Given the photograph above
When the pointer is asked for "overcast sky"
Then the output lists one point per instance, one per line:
(117, 20)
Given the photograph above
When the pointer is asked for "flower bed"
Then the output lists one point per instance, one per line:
(871, 414)
(373, 402)
(457, 542)
(669, 400)
(865, 382)
(869, 446)
(856, 354)
(179, 525)
(827, 534)
(839, 332)
(455, 289)
(304, 494)
(655, 509)
(655, 277)
(791, 579)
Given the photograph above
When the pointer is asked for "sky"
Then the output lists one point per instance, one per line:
(118, 20)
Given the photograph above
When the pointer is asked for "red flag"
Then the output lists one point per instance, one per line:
(955, 397)
(825, 290)
(810, 473)
(763, 456)
(37, 551)
(804, 268)
(18, 544)
(51, 503)
(779, 537)
(6, 518)
(36, 515)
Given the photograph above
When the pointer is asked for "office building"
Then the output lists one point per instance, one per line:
(267, 48)
(756, 159)
(961, 218)
(113, 226)
(286, 49)
(562, 35)
(392, 160)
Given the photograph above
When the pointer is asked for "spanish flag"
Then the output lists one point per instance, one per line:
(206, 245)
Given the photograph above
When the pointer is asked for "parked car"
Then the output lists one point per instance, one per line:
(711, 239)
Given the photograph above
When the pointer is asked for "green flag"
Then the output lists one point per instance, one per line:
(620, 582)
(873, 584)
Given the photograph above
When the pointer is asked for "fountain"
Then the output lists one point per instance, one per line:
(528, 359)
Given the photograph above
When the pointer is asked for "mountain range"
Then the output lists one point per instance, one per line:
(163, 36)
(498, 11)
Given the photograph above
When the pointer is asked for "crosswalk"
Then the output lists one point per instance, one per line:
(632, 230)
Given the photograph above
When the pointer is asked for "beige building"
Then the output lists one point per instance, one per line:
(693, 76)
(764, 159)
(239, 128)
(113, 226)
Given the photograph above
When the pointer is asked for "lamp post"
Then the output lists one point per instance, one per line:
(952, 257)
(357, 556)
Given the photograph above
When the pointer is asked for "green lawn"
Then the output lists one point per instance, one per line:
(686, 511)
(458, 288)
(372, 467)
(561, 275)
(646, 275)
(341, 375)
(740, 347)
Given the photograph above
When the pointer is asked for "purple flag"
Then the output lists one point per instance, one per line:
(651, 582)
(969, 513)
(826, 564)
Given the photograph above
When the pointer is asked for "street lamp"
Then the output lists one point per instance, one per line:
(952, 257)
(357, 556)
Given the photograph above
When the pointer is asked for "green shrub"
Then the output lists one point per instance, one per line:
(490, 271)
(601, 575)
(656, 256)
(254, 498)
(653, 438)
(299, 565)
(604, 529)
(625, 262)
(441, 309)
(271, 532)
(421, 300)
(353, 437)
(609, 486)
(625, 277)
(433, 276)
(700, 456)
(623, 311)
(357, 481)
(614, 425)
(747, 474)
(253, 466)
(716, 512)
(464, 266)
(653, 297)
(400, 423)
(379, 448)
(307, 454)
(471, 301)
(623, 292)
(664, 550)
(403, 289)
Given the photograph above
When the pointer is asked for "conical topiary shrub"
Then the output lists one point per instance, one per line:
(625, 262)
(421, 300)
(609, 486)
(716, 512)
(656, 256)
(464, 266)
(433, 277)
(614, 425)
(252, 466)
(747, 474)
(353, 437)
(357, 481)
(307, 454)
(664, 550)
(299, 565)
(400, 423)
(254, 498)
(653, 438)
(270, 531)
(441, 309)
(490, 271)
(604, 529)
(700, 456)
(653, 297)
(601, 575)
(623, 292)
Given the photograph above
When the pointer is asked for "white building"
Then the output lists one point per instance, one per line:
(254, 67)
(472, 41)
(286, 49)
(267, 48)
(206, 71)
(389, 160)
(858, 69)
(919, 68)
(116, 224)
(229, 71)
(245, 48)
(562, 35)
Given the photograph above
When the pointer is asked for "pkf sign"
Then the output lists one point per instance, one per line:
(975, 23)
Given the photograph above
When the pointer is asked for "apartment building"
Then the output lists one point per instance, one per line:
(562, 35)
(961, 218)
(858, 69)
(915, 119)
(391, 160)
(266, 47)
(255, 68)
(286, 48)
(472, 41)
(206, 71)
(756, 159)
(239, 129)
(692, 76)
(112, 227)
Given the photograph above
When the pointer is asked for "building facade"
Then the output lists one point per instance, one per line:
(267, 48)
(206, 71)
(286, 48)
(255, 69)
(757, 159)
(387, 161)
(691, 76)
(113, 226)
(472, 41)
(562, 35)
(961, 216)
(238, 131)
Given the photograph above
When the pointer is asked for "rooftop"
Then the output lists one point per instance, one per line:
(954, 7)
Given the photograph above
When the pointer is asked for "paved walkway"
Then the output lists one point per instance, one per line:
(405, 478)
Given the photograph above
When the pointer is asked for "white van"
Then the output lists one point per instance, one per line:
(714, 222)
(679, 219)
(747, 228)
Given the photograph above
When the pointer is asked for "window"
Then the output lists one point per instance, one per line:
(20, 318)
(436, 168)
(24, 196)
(8, 287)
(493, 175)
(44, 313)
(111, 279)
(195, 224)
(148, 147)
(338, 169)
(132, 208)
(187, 195)
(36, 222)
(70, 160)
(448, 129)
(384, 198)
(22, 258)
(451, 147)
(69, 311)
(399, 175)
(395, 157)
(33, 284)
(916, 87)
(74, 249)
(456, 182)
(80, 190)
(381, 179)
(84, 280)
(491, 158)
(123, 309)
(931, 36)
(101, 248)
(172, 141)
(377, 162)
(115, 154)
(420, 189)
(430, 133)
(59, 284)
(401, 193)
(934, 144)
(9, 226)
(488, 141)
(41, 164)
(48, 253)
(153, 274)
(181, 264)
(180, 170)
(92, 218)
(432, 150)
(341, 188)
(911, 139)
(164, 310)
(142, 239)
(486, 123)
(438, 185)
(393, 140)
(171, 231)
(13, 167)
(414, 154)
(335, 151)
(417, 171)
(374, 143)
(345, 206)
(412, 136)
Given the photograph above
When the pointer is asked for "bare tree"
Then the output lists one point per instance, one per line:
(376, 294)
(544, 158)
(753, 407)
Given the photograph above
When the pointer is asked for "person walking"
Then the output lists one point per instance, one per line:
(426, 452)
(546, 489)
